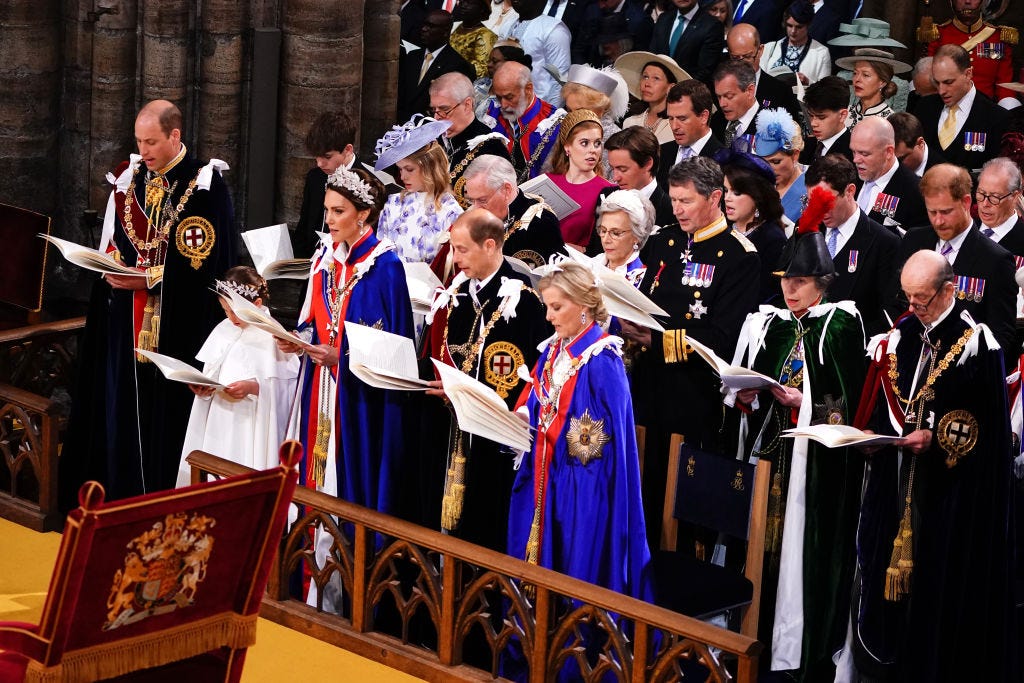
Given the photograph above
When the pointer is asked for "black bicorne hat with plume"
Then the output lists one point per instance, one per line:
(805, 254)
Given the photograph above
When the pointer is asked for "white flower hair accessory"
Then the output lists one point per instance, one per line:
(247, 291)
(348, 180)
(407, 139)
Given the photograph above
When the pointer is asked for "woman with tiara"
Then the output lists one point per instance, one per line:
(349, 429)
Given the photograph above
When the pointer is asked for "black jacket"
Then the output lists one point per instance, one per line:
(667, 159)
(986, 117)
(910, 211)
(413, 93)
(700, 47)
(864, 269)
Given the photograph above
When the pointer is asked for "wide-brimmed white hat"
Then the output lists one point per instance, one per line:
(407, 139)
(870, 54)
(631, 66)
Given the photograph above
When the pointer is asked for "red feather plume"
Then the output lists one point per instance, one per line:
(819, 202)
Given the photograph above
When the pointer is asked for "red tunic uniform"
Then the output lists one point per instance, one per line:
(991, 50)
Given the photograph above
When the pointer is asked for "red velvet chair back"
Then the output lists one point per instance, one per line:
(21, 278)
(160, 578)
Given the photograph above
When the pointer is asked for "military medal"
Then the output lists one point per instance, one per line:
(697, 309)
(851, 265)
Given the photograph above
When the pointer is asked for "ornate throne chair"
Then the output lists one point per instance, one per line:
(165, 586)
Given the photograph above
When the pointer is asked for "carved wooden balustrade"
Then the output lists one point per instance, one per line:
(36, 369)
(444, 609)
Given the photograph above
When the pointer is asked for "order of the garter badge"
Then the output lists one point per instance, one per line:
(586, 438)
(501, 359)
(162, 570)
(957, 434)
(194, 239)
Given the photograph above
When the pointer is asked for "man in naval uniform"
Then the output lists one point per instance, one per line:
(934, 544)
(169, 217)
(487, 324)
(451, 99)
(706, 277)
(990, 46)
(532, 234)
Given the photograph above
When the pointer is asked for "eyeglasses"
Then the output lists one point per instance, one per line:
(749, 57)
(440, 113)
(993, 199)
(926, 304)
(481, 201)
(614, 234)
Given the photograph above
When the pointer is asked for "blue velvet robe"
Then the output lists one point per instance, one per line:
(593, 519)
(369, 438)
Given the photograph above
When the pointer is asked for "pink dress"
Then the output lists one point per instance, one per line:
(578, 225)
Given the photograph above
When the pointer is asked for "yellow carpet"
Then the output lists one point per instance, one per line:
(280, 654)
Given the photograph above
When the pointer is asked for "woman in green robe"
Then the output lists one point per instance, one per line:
(815, 350)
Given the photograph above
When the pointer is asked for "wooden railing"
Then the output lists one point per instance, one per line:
(36, 369)
(427, 604)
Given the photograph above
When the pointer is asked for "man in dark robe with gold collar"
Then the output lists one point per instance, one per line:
(487, 324)
(170, 217)
(706, 277)
(934, 548)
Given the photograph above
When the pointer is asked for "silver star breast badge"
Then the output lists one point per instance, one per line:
(697, 309)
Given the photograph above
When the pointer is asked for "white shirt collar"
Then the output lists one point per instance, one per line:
(919, 171)
(827, 144)
(956, 243)
(965, 104)
(699, 145)
(480, 284)
(942, 316)
(747, 119)
(883, 180)
(648, 189)
(846, 229)
(1003, 228)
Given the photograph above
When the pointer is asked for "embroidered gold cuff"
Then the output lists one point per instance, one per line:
(674, 346)
(154, 276)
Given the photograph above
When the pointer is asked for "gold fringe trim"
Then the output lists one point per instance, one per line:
(901, 565)
(153, 649)
(773, 528)
(454, 487)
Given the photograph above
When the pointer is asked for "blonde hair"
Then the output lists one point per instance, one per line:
(433, 164)
(594, 100)
(573, 124)
(577, 282)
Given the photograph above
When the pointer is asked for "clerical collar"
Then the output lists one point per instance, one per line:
(173, 162)
(717, 227)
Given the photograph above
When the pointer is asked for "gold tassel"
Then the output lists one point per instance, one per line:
(454, 486)
(155, 326)
(323, 440)
(773, 528)
(901, 565)
(533, 551)
(149, 333)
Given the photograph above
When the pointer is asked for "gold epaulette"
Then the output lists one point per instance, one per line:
(929, 34)
(1009, 35)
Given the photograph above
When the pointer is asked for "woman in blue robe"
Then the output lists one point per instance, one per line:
(350, 431)
(576, 505)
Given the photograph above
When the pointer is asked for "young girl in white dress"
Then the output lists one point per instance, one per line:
(246, 420)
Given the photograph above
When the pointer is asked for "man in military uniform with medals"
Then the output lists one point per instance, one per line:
(488, 324)
(170, 217)
(984, 270)
(532, 234)
(451, 99)
(934, 549)
(990, 46)
(706, 277)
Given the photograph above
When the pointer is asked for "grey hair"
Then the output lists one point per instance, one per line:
(642, 223)
(704, 174)
(453, 84)
(822, 282)
(1008, 167)
(521, 71)
(923, 65)
(496, 171)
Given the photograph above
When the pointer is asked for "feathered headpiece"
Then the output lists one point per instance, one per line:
(805, 254)
(776, 130)
(407, 139)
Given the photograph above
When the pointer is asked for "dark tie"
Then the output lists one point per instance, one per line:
(730, 132)
(554, 8)
(819, 149)
(518, 158)
(988, 232)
